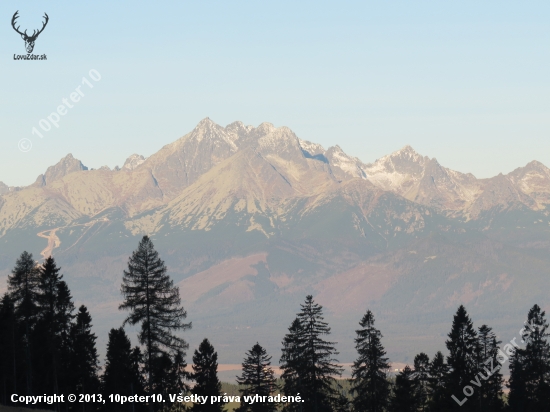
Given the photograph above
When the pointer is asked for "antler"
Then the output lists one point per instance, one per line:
(13, 19)
(34, 34)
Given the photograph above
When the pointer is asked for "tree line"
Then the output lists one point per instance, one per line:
(47, 347)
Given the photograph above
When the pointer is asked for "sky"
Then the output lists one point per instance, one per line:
(465, 82)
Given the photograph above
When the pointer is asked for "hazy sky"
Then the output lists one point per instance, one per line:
(465, 82)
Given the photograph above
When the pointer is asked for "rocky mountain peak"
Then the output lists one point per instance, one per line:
(407, 149)
(407, 154)
(405, 161)
(265, 128)
(534, 180)
(280, 141)
(311, 149)
(4, 188)
(238, 130)
(344, 165)
(68, 164)
(133, 161)
(305, 165)
(211, 133)
(205, 123)
(533, 166)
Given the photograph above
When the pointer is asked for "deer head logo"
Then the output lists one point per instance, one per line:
(29, 40)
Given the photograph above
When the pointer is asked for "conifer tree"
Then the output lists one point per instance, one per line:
(488, 367)
(421, 377)
(205, 375)
(162, 367)
(316, 366)
(370, 384)
(462, 363)
(258, 379)
(154, 302)
(530, 367)
(518, 399)
(438, 376)
(319, 365)
(8, 349)
(83, 361)
(169, 373)
(63, 324)
(178, 374)
(342, 402)
(55, 314)
(23, 286)
(291, 364)
(405, 392)
(122, 375)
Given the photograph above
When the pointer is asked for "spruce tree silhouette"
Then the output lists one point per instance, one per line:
(438, 376)
(292, 364)
(55, 314)
(421, 376)
(308, 363)
(23, 286)
(83, 357)
(461, 345)
(8, 349)
(530, 367)
(488, 368)
(405, 393)
(205, 375)
(122, 374)
(153, 301)
(370, 370)
(257, 378)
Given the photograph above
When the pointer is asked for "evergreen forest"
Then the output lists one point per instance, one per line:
(47, 347)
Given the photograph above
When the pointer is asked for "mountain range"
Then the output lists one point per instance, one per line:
(252, 219)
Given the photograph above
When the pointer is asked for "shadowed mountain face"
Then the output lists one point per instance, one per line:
(250, 220)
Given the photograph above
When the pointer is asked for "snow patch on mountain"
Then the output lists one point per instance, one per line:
(311, 148)
(349, 165)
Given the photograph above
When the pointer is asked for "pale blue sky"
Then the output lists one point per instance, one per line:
(466, 82)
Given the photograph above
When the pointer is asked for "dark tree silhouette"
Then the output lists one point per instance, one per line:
(23, 286)
(530, 367)
(257, 378)
(83, 358)
(122, 375)
(405, 392)
(153, 300)
(55, 314)
(292, 364)
(438, 376)
(205, 375)
(369, 372)
(488, 368)
(462, 363)
(169, 374)
(316, 367)
(8, 349)
(421, 378)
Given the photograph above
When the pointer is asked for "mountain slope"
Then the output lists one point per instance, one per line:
(251, 219)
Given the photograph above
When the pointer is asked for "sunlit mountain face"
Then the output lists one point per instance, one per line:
(251, 219)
